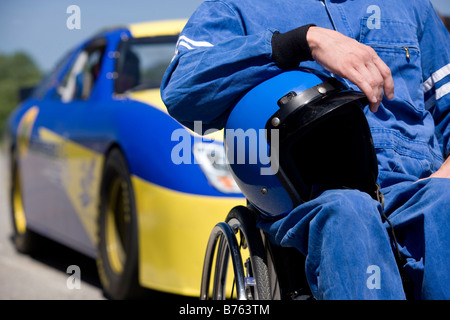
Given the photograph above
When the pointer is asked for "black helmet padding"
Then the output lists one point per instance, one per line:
(324, 143)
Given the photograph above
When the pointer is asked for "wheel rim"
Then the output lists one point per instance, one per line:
(20, 221)
(117, 218)
(250, 288)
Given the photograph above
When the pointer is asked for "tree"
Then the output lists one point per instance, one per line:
(17, 71)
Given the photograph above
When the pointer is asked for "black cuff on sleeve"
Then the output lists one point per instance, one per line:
(291, 48)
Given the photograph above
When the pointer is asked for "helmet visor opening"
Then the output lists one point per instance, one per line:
(333, 151)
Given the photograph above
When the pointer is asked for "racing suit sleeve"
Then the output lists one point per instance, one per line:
(435, 54)
(216, 62)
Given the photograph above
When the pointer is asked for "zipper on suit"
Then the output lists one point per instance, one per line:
(329, 14)
(407, 52)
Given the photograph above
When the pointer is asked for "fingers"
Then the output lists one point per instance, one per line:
(370, 74)
(376, 83)
(387, 77)
(360, 76)
(354, 61)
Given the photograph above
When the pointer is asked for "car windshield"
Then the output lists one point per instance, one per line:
(142, 62)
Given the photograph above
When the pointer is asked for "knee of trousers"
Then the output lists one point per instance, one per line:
(429, 198)
(433, 202)
(348, 207)
(336, 213)
(437, 196)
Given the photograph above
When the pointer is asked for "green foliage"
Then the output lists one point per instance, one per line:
(17, 71)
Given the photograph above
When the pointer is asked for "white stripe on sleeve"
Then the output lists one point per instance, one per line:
(195, 43)
(442, 91)
(435, 77)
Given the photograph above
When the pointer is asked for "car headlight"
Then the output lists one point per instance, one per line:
(212, 161)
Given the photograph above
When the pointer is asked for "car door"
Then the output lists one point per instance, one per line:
(63, 173)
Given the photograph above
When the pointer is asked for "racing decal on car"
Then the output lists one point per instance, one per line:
(79, 175)
(24, 130)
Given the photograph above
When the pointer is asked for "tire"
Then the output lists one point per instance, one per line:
(25, 240)
(243, 221)
(117, 251)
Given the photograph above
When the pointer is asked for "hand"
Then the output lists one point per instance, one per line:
(354, 61)
(444, 170)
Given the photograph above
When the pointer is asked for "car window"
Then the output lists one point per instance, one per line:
(50, 81)
(78, 83)
(142, 62)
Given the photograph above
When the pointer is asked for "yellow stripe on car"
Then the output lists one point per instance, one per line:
(80, 176)
(174, 228)
(157, 28)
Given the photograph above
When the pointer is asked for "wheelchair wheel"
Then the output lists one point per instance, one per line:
(239, 239)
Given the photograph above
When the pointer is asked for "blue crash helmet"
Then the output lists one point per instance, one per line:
(296, 135)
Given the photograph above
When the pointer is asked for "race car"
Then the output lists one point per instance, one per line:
(98, 165)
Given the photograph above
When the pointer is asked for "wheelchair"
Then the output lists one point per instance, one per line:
(259, 269)
(307, 119)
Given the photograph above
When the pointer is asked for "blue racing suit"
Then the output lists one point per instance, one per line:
(225, 49)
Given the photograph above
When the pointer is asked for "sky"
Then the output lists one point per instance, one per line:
(39, 27)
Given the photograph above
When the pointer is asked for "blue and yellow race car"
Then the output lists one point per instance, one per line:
(98, 165)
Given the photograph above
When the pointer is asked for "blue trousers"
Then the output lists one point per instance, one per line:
(349, 248)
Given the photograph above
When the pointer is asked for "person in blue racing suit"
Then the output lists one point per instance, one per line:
(398, 54)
